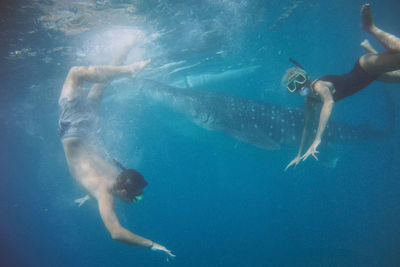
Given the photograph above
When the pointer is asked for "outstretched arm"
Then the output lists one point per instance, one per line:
(326, 111)
(106, 208)
(306, 132)
(119, 233)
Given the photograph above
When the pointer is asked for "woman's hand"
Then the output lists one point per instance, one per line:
(294, 162)
(312, 150)
(158, 247)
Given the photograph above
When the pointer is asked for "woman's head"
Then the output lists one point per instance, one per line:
(129, 185)
(296, 80)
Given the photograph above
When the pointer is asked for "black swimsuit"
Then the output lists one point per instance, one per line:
(350, 83)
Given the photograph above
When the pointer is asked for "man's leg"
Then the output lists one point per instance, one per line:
(96, 74)
(96, 91)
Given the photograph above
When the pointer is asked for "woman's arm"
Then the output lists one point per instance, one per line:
(326, 110)
(327, 106)
(310, 109)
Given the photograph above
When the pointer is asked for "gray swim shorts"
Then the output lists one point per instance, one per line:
(78, 118)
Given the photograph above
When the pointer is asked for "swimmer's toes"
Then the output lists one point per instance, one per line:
(143, 63)
(365, 44)
(136, 67)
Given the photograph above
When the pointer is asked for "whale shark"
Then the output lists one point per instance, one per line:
(262, 124)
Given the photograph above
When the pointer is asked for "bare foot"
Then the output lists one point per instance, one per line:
(367, 46)
(366, 18)
(136, 67)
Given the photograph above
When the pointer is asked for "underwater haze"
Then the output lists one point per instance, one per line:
(215, 198)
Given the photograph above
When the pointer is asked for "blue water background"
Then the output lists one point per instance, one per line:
(212, 200)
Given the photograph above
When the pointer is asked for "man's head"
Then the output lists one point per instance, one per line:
(296, 80)
(129, 185)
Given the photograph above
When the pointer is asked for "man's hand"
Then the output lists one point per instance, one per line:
(158, 247)
(82, 200)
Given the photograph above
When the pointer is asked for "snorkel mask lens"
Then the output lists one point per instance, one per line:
(298, 82)
(137, 198)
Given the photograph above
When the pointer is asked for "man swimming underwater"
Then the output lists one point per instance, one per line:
(78, 126)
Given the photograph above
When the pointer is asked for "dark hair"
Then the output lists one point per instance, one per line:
(129, 184)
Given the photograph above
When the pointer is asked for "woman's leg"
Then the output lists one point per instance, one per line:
(379, 63)
(367, 46)
(390, 77)
(391, 42)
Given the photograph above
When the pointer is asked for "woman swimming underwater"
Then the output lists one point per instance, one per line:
(330, 89)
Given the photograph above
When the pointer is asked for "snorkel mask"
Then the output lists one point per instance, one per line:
(300, 82)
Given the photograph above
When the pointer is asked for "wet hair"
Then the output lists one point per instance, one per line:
(129, 184)
(290, 74)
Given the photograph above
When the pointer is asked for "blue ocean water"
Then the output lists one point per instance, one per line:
(211, 199)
